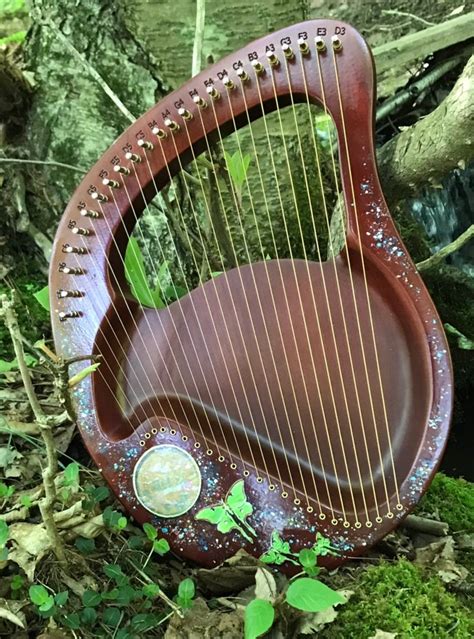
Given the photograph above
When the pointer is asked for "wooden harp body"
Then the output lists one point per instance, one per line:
(285, 397)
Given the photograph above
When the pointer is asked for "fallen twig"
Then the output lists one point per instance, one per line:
(428, 526)
(414, 90)
(45, 423)
(443, 253)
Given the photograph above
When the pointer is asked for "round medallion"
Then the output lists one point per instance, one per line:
(167, 480)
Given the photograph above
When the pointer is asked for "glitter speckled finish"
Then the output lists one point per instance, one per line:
(272, 509)
(167, 480)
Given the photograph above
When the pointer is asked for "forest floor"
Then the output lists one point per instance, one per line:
(120, 581)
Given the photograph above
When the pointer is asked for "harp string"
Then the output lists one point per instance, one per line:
(267, 209)
(275, 173)
(356, 308)
(223, 317)
(336, 346)
(117, 339)
(298, 218)
(324, 474)
(148, 324)
(179, 303)
(244, 344)
(372, 330)
(323, 279)
(207, 205)
(263, 316)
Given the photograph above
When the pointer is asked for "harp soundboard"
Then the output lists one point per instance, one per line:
(287, 394)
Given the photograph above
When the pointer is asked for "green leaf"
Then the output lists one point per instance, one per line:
(136, 277)
(3, 533)
(13, 38)
(279, 551)
(144, 621)
(126, 594)
(82, 374)
(6, 491)
(151, 590)
(42, 297)
(238, 166)
(311, 595)
(71, 475)
(26, 501)
(100, 494)
(61, 598)
(464, 342)
(84, 545)
(161, 546)
(259, 617)
(115, 572)
(122, 523)
(111, 517)
(17, 582)
(38, 594)
(186, 589)
(91, 598)
(88, 616)
(6, 367)
(150, 531)
(307, 557)
(72, 621)
(111, 616)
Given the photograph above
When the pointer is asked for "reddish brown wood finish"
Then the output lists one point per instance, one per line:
(163, 378)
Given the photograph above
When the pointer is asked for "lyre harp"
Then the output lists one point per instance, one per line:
(284, 397)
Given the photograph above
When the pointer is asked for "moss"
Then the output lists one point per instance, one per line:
(399, 598)
(452, 500)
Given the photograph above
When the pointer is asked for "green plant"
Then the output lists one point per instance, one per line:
(6, 491)
(42, 297)
(186, 592)
(47, 604)
(7, 366)
(137, 278)
(70, 481)
(304, 593)
(237, 166)
(259, 618)
(160, 546)
(4, 533)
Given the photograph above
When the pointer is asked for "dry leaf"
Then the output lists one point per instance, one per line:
(90, 528)
(312, 623)
(30, 545)
(456, 11)
(11, 611)
(381, 634)
(440, 556)
(265, 585)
